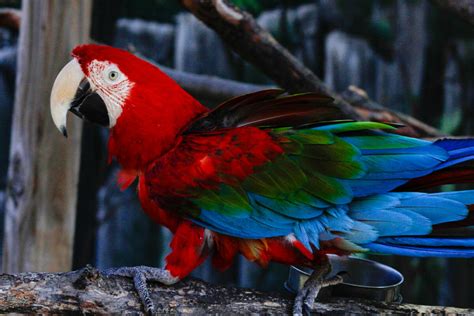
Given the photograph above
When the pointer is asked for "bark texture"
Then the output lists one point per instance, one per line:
(87, 291)
(43, 170)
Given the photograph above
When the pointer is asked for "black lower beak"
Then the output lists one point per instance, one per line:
(89, 106)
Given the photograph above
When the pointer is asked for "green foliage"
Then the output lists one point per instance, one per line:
(257, 6)
(249, 5)
(451, 121)
(382, 28)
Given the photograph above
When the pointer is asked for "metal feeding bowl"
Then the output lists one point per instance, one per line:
(363, 279)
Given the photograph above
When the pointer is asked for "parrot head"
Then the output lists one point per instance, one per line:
(143, 107)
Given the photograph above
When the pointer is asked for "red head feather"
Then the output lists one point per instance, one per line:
(154, 112)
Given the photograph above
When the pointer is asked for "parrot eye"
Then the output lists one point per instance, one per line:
(113, 75)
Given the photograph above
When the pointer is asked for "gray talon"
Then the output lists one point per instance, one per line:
(307, 295)
(139, 280)
(140, 276)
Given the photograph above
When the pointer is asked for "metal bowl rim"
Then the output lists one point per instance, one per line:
(402, 279)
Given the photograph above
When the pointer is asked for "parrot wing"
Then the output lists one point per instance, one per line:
(236, 177)
(271, 109)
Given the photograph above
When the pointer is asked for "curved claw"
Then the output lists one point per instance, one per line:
(304, 301)
(140, 276)
(307, 295)
(139, 280)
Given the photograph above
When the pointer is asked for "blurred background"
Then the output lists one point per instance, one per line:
(408, 55)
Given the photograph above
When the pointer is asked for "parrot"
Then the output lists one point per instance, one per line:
(275, 177)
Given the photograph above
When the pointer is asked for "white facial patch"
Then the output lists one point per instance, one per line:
(111, 85)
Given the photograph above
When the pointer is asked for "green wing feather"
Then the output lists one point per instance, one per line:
(308, 173)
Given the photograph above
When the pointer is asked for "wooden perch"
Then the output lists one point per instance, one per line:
(87, 291)
(239, 30)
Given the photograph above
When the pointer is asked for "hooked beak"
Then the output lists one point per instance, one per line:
(72, 92)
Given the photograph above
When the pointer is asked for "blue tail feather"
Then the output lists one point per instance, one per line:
(428, 241)
(404, 222)
(402, 250)
(451, 145)
(459, 150)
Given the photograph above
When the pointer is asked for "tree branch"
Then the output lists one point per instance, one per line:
(373, 111)
(239, 30)
(218, 89)
(10, 19)
(462, 8)
(211, 87)
(87, 291)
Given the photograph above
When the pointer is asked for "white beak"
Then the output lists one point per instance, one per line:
(63, 93)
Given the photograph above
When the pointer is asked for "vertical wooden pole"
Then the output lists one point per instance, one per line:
(44, 167)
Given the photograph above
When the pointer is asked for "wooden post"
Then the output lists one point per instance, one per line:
(43, 170)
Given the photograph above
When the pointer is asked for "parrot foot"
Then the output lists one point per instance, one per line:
(140, 276)
(307, 295)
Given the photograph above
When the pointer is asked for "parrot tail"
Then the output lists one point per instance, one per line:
(459, 168)
(443, 226)
(451, 213)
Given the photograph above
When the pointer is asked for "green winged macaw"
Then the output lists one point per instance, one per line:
(268, 175)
